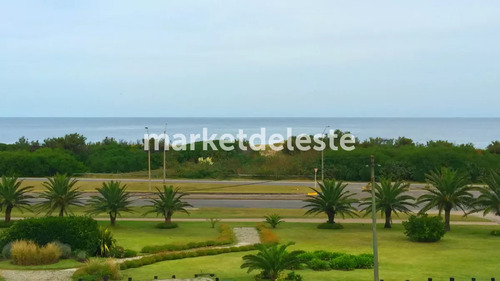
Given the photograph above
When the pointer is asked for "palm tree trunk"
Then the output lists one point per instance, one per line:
(8, 210)
(447, 219)
(331, 217)
(112, 218)
(168, 219)
(388, 218)
(61, 212)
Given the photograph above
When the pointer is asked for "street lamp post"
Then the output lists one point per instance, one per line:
(315, 174)
(149, 159)
(374, 221)
(165, 154)
(323, 156)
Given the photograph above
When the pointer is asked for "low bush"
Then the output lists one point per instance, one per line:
(96, 269)
(293, 276)
(305, 257)
(78, 232)
(317, 264)
(28, 253)
(117, 252)
(226, 236)
(154, 258)
(4, 224)
(267, 236)
(80, 255)
(6, 250)
(167, 226)
(65, 249)
(424, 228)
(495, 232)
(344, 262)
(364, 261)
(130, 253)
(330, 226)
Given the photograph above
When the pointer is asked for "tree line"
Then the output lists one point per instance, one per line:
(399, 159)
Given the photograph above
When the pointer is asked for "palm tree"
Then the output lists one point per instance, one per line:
(112, 199)
(449, 191)
(60, 194)
(273, 220)
(489, 200)
(168, 202)
(332, 199)
(389, 198)
(272, 260)
(13, 195)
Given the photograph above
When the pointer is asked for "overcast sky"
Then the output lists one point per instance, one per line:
(250, 58)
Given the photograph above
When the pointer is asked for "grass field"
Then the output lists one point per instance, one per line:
(213, 212)
(465, 252)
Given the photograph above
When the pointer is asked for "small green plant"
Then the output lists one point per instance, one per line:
(213, 221)
(273, 220)
(344, 262)
(318, 265)
(80, 255)
(424, 228)
(293, 276)
(6, 250)
(106, 242)
(65, 249)
(495, 232)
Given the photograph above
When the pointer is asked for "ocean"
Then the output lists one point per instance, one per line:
(478, 131)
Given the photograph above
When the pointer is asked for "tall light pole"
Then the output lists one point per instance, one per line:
(149, 159)
(374, 221)
(315, 173)
(165, 154)
(323, 155)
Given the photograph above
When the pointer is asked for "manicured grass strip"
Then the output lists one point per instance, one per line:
(226, 237)
(147, 260)
(62, 264)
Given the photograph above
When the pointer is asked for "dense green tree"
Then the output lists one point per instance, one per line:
(449, 190)
(60, 193)
(389, 198)
(12, 195)
(333, 199)
(112, 199)
(168, 202)
(271, 260)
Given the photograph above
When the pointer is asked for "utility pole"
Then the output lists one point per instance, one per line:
(374, 221)
(315, 173)
(149, 159)
(323, 155)
(165, 154)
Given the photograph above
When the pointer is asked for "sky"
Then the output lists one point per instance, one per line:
(259, 58)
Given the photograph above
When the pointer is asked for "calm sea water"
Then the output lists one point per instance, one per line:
(479, 131)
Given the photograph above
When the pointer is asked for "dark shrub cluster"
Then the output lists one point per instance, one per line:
(324, 260)
(78, 232)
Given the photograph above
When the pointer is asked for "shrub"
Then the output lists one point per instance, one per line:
(330, 226)
(80, 255)
(493, 232)
(65, 249)
(317, 264)
(167, 226)
(213, 221)
(117, 252)
(305, 257)
(6, 250)
(28, 253)
(424, 228)
(293, 276)
(78, 232)
(4, 224)
(364, 261)
(344, 262)
(96, 269)
(322, 255)
(267, 236)
(130, 253)
(106, 242)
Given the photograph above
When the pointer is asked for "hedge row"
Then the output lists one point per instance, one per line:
(81, 233)
(147, 260)
(323, 260)
(267, 236)
(226, 237)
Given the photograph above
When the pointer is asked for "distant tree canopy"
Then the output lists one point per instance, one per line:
(399, 159)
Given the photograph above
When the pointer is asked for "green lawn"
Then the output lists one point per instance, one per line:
(62, 264)
(136, 235)
(465, 252)
(214, 212)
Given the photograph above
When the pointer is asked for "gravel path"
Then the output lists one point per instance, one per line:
(246, 236)
(38, 275)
